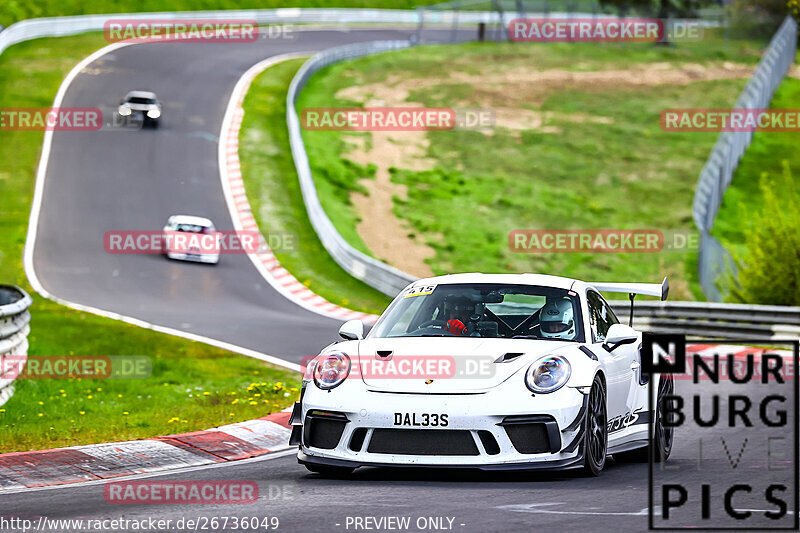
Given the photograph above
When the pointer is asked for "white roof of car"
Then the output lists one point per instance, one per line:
(543, 280)
(140, 94)
(192, 220)
(516, 279)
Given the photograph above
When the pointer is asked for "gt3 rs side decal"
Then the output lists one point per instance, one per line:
(632, 418)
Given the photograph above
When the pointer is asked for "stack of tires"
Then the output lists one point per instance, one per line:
(14, 328)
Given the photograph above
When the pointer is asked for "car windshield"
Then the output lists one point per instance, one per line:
(192, 228)
(141, 100)
(488, 310)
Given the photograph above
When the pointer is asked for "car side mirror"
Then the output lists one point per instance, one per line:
(619, 334)
(352, 330)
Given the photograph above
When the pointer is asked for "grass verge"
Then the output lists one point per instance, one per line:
(599, 160)
(193, 386)
(275, 198)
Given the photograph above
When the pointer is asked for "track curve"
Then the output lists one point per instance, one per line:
(117, 179)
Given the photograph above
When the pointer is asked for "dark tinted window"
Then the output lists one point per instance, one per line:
(600, 315)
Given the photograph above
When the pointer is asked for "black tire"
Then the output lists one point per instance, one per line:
(330, 471)
(595, 440)
(663, 437)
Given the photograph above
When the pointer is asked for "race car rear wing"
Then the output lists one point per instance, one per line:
(648, 289)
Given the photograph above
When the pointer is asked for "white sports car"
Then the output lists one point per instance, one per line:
(190, 238)
(491, 371)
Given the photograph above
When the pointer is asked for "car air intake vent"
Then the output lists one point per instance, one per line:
(533, 433)
(324, 429)
(489, 442)
(422, 442)
(357, 440)
(510, 356)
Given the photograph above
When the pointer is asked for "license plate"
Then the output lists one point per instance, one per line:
(421, 420)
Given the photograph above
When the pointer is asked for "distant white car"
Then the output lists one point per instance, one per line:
(141, 106)
(190, 238)
(490, 371)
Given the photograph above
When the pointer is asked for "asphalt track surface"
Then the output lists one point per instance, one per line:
(117, 179)
(124, 179)
(617, 500)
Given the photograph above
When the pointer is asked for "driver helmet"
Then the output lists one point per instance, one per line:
(557, 319)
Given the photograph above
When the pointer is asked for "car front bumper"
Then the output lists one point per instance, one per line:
(495, 430)
(196, 258)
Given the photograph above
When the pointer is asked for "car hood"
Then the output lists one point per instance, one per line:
(441, 365)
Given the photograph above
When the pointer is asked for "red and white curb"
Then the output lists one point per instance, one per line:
(739, 351)
(23, 470)
(739, 354)
(241, 214)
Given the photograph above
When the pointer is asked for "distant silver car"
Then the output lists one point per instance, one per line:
(141, 106)
(190, 238)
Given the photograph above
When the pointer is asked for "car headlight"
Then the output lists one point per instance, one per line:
(124, 110)
(154, 113)
(548, 374)
(331, 370)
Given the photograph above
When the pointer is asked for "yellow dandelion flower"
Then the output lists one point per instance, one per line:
(251, 403)
(99, 389)
(125, 413)
(206, 393)
(90, 397)
(81, 412)
(41, 403)
(40, 414)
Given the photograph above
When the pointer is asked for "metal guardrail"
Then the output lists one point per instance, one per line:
(717, 173)
(715, 320)
(379, 275)
(61, 26)
(14, 328)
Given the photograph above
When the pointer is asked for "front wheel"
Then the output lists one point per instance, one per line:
(595, 441)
